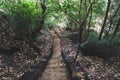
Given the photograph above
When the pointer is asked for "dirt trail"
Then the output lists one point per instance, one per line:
(56, 68)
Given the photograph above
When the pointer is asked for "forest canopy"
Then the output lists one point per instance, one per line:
(30, 16)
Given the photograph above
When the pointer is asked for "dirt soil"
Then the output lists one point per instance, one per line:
(56, 68)
(90, 68)
(14, 66)
(84, 68)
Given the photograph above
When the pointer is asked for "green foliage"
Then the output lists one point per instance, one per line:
(52, 6)
(54, 14)
(24, 16)
(92, 34)
(116, 41)
(2, 15)
(99, 8)
(112, 41)
(70, 8)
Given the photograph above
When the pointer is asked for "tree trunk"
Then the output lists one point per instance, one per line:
(116, 28)
(43, 6)
(81, 24)
(104, 23)
(89, 25)
(111, 19)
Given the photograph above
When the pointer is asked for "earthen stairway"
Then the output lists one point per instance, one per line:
(56, 68)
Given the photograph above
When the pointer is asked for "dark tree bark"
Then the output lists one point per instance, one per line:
(111, 19)
(43, 6)
(80, 24)
(88, 29)
(116, 28)
(104, 23)
(81, 29)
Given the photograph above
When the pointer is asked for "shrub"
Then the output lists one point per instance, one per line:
(24, 17)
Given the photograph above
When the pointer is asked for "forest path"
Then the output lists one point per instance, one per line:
(56, 68)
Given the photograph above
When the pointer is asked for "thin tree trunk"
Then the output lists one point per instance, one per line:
(111, 21)
(81, 29)
(85, 26)
(80, 21)
(89, 25)
(116, 28)
(105, 19)
(79, 35)
(43, 6)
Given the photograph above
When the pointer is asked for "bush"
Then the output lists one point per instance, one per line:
(24, 17)
(112, 41)
(3, 16)
(92, 34)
